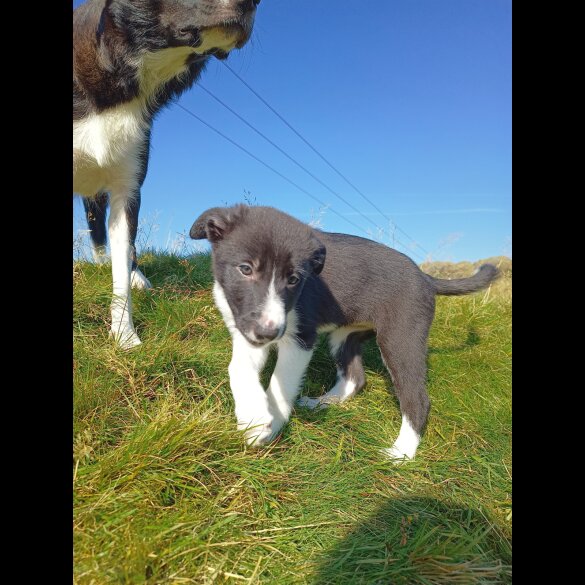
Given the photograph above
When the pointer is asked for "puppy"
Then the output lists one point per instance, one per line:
(130, 58)
(273, 286)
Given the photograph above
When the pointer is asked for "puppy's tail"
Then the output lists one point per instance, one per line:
(486, 274)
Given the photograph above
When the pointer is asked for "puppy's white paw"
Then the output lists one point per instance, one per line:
(260, 432)
(125, 337)
(406, 443)
(311, 403)
(138, 280)
(259, 436)
(395, 455)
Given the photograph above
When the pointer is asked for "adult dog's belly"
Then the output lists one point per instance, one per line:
(91, 178)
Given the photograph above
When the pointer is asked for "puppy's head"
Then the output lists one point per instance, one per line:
(210, 27)
(261, 260)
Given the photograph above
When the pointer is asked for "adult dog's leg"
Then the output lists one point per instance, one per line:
(95, 213)
(137, 279)
(251, 402)
(286, 381)
(119, 232)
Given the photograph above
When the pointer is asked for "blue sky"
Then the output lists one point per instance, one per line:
(409, 99)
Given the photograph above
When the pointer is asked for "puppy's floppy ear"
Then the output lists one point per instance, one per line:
(215, 223)
(318, 258)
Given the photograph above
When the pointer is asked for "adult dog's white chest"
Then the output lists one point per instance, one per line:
(106, 148)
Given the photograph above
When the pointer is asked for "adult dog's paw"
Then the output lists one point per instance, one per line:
(139, 281)
(125, 337)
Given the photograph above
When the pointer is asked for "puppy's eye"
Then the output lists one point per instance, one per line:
(245, 269)
(292, 279)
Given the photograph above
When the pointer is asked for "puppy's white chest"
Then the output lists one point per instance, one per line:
(106, 148)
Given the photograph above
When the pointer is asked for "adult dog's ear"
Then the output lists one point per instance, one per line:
(318, 258)
(215, 223)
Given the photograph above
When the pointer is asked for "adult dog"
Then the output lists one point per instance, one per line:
(130, 58)
(273, 286)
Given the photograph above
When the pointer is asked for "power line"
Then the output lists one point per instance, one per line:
(322, 157)
(252, 127)
(323, 204)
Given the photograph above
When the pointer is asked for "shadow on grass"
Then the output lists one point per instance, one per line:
(472, 340)
(419, 540)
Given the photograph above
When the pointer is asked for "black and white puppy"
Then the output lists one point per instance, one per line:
(130, 58)
(274, 287)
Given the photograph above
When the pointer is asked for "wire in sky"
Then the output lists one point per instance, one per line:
(251, 126)
(322, 203)
(322, 157)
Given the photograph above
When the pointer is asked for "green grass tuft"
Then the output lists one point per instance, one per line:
(166, 492)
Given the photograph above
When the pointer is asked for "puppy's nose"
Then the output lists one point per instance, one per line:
(266, 332)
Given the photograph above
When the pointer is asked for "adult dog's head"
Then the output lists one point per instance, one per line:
(211, 27)
(261, 261)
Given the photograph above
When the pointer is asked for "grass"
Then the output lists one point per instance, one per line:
(165, 490)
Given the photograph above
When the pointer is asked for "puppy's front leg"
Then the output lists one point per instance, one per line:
(252, 411)
(286, 380)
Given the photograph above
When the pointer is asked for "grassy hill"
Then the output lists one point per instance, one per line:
(165, 490)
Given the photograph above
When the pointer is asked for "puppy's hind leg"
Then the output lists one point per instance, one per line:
(122, 328)
(347, 353)
(95, 214)
(404, 353)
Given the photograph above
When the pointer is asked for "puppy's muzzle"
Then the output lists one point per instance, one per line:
(267, 332)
